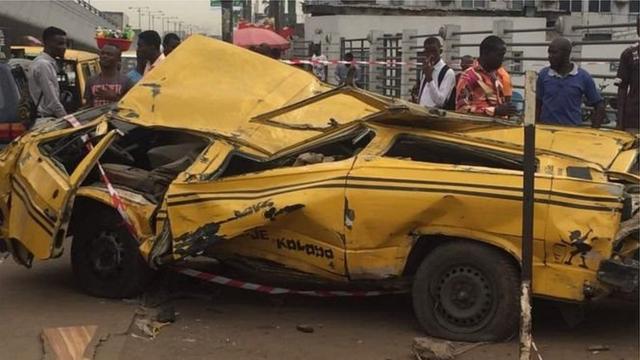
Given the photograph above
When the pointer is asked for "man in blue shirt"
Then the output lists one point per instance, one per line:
(561, 88)
(136, 73)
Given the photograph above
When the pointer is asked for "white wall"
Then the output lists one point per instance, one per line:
(355, 26)
(358, 26)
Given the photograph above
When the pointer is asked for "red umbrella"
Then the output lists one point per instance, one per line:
(251, 36)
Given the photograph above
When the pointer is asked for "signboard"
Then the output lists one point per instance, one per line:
(218, 3)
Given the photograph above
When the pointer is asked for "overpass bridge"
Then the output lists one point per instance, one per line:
(77, 17)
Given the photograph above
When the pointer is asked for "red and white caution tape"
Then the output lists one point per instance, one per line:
(335, 62)
(238, 284)
(385, 63)
(116, 200)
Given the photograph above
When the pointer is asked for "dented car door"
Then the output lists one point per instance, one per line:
(288, 209)
(42, 194)
(425, 187)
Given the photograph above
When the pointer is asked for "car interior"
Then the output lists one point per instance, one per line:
(335, 149)
(430, 150)
(144, 160)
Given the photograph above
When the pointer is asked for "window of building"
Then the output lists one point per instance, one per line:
(571, 5)
(517, 64)
(613, 66)
(599, 5)
(576, 5)
(634, 6)
(474, 3)
(521, 4)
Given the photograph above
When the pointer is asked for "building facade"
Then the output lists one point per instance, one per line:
(331, 22)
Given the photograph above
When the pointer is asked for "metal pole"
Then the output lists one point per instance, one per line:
(423, 36)
(530, 30)
(603, 26)
(528, 186)
(227, 20)
(480, 32)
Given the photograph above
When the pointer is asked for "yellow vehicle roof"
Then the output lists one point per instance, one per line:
(70, 54)
(211, 86)
(597, 146)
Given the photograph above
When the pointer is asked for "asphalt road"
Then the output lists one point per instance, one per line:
(221, 323)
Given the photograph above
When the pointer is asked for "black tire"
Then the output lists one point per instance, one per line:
(467, 291)
(105, 258)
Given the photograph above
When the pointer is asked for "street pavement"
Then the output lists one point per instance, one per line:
(221, 323)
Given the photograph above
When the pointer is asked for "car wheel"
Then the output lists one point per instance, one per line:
(105, 257)
(468, 292)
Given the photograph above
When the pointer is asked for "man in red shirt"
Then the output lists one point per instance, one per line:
(110, 85)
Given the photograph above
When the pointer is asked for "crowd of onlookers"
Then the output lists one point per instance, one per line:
(106, 87)
(483, 86)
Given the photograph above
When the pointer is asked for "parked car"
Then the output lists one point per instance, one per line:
(286, 179)
(14, 99)
(77, 67)
(129, 61)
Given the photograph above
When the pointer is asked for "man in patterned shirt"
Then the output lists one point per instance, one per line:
(480, 89)
(110, 85)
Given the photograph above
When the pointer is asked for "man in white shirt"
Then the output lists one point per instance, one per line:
(438, 81)
(43, 82)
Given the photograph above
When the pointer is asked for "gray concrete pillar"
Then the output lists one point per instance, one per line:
(331, 49)
(567, 22)
(408, 56)
(376, 52)
(499, 27)
(449, 52)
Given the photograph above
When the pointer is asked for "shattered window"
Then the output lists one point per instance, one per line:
(441, 152)
(335, 149)
(324, 114)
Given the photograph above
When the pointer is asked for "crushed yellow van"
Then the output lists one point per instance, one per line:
(223, 153)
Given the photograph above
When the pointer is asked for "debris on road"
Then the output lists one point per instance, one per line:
(68, 343)
(147, 326)
(426, 348)
(305, 328)
(167, 314)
